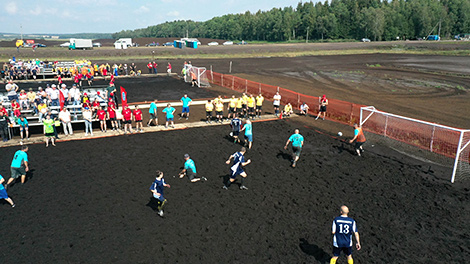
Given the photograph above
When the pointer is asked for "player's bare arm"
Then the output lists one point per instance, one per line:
(358, 243)
(246, 163)
(287, 144)
(229, 159)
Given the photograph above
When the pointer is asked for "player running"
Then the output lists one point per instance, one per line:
(359, 138)
(19, 166)
(297, 143)
(190, 170)
(236, 123)
(209, 107)
(157, 189)
(237, 168)
(343, 228)
(248, 133)
(4, 194)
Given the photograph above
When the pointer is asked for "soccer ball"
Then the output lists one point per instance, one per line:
(340, 134)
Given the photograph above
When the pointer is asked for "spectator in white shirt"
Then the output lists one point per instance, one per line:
(66, 120)
(88, 121)
(54, 96)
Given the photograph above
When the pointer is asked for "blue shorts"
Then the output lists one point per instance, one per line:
(346, 250)
(234, 174)
(185, 109)
(169, 119)
(249, 137)
(3, 194)
(160, 198)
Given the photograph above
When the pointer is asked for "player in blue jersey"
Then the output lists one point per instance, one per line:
(157, 189)
(189, 170)
(343, 228)
(237, 168)
(236, 123)
(3, 193)
(19, 166)
(186, 103)
(297, 143)
(248, 133)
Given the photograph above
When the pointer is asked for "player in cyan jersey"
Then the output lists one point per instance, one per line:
(237, 168)
(157, 189)
(343, 228)
(297, 143)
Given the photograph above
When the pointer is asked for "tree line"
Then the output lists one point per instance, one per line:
(337, 19)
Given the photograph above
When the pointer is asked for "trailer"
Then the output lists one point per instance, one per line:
(80, 44)
(123, 43)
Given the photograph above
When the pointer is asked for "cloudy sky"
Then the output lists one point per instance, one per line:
(109, 16)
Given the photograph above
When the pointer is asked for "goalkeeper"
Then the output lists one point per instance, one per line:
(359, 138)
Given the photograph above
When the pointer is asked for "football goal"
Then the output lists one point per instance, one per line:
(199, 73)
(430, 142)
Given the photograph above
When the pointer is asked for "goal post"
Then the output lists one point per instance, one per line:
(431, 142)
(200, 73)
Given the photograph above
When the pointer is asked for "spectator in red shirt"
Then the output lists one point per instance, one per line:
(127, 119)
(155, 67)
(138, 119)
(102, 116)
(150, 67)
(112, 114)
(3, 110)
(15, 106)
(89, 77)
(95, 106)
(76, 79)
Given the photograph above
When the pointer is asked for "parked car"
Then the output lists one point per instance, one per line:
(153, 44)
(168, 44)
(39, 45)
(65, 45)
(228, 43)
(365, 40)
(213, 43)
(97, 44)
(242, 43)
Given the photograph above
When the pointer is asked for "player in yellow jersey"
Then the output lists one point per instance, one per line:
(231, 107)
(287, 110)
(219, 110)
(217, 99)
(209, 108)
(259, 104)
(245, 101)
(239, 106)
(251, 102)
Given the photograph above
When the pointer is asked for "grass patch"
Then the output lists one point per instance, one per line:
(112, 55)
(373, 65)
(460, 88)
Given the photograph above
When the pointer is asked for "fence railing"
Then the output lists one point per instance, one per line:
(339, 111)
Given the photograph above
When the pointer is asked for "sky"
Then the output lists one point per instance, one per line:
(109, 16)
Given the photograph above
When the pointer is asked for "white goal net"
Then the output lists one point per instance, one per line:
(431, 142)
(199, 73)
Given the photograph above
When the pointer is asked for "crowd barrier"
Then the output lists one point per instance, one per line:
(437, 139)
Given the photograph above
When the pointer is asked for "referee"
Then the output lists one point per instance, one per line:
(297, 143)
(343, 228)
